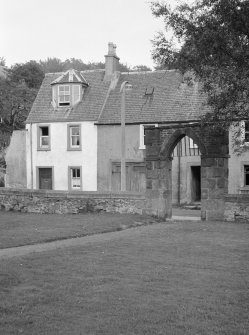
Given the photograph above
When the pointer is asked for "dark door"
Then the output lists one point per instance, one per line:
(45, 178)
(196, 183)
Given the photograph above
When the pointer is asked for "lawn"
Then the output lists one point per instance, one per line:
(17, 229)
(179, 278)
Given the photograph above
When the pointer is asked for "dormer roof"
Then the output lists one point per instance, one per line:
(71, 76)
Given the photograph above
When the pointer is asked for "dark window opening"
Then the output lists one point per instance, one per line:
(196, 183)
(246, 175)
(246, 131)
(64, 103)
(44, 137)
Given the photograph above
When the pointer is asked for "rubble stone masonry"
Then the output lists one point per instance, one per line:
(63, 202)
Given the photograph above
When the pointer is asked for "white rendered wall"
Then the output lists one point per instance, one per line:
(60, 158)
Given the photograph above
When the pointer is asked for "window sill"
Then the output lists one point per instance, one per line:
(244, 189)
(43, 149)
(142, 147)
(74, 149)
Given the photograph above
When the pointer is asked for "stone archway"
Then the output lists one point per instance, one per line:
(160, 143)
(171, 140)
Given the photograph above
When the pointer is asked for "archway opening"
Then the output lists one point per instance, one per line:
(186, 179)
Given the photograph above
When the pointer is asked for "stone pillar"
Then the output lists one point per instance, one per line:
(158, 188)
(214, 187)
(158, 178)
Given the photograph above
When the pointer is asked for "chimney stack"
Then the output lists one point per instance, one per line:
(111, 61)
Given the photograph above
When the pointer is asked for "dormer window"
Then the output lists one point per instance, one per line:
(63, 95)
(68, 89)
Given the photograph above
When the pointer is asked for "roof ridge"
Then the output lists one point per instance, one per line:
(52, 73)
(145, 72)
(94, 70)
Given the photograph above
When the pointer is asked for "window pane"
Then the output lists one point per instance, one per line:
(78, 173)
(246, 173)
(73, 173)
(75, 130)
(247, 179)
(45, 141)
(75, 140)
(44, 131)
(246, 125)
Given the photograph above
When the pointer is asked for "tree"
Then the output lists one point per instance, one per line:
(54, 65)
(31, 73)
(213, 42)
(2, 61)
(16, 100)
(73, 63)
(51, 65)
(141, 68)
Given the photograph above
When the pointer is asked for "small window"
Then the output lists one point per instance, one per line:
(74, 137)
(75, 178)
(244, 132)
(247, 131)
(142, 134)
(192, 145)
(43, 138)
(64, 95)
(246, 175)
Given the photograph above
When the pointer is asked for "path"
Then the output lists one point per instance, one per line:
(72, 242)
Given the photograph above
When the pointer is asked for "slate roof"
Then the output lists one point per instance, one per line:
(172, 99)
(86, 110)
(169, 99)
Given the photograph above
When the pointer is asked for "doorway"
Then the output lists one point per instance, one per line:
(186, 179)
(196, 183)
(45, 178)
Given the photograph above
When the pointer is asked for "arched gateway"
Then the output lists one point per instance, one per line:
(160, 143)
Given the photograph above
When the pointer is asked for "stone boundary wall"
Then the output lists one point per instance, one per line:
(63, 202)
(237, 207)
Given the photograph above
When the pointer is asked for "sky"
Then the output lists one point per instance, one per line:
(38, 29)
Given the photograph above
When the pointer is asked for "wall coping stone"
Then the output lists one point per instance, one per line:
(71, 194)
(240, 198)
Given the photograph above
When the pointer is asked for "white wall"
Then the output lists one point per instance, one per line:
(60, 158)
(15, 160)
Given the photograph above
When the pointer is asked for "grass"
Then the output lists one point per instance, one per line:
(181, 278)
(17, 229)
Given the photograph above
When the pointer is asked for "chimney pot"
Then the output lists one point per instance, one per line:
(112, 49)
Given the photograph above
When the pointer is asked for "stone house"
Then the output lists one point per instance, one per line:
(73, 140)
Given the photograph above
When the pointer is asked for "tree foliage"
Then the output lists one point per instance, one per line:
(16, 100)
(31, 73)
(2, 61)
(141, 68)
(211, 39)
(53, 65)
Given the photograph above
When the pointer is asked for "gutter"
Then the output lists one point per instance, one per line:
(31, 156)
(170, 124)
